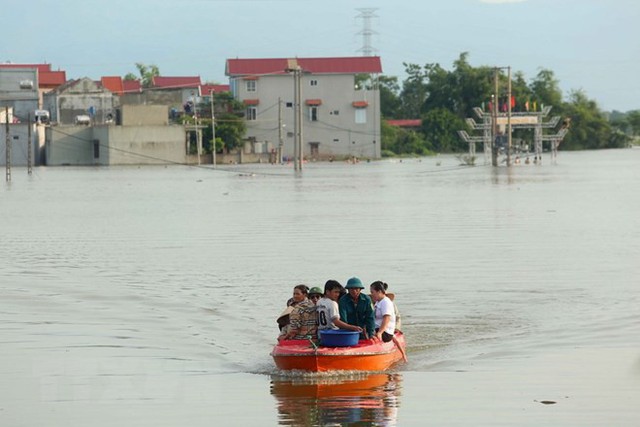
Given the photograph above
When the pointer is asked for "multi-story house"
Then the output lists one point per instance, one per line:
(340, 118)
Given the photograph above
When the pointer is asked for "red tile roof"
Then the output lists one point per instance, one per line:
(176, 82)
(51, 79)
(405, 123)
(341, 65)
(251, 101)
(313, 102)
(131, 86)
(114, 84)
(360, 104)
(205, 90)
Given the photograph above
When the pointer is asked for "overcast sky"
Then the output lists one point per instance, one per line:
(593, 45)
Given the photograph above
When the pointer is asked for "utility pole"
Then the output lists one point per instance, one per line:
(494, 122)
(7, 145)
(280, 139)
(509, 116)
(29, 146)
(299, 114)
(294, 68)
(213, 133)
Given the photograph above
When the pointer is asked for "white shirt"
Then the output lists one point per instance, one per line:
(382, 308)
(327, 313)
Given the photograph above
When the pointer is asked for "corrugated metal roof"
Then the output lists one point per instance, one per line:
(338, 65)
(176, 82)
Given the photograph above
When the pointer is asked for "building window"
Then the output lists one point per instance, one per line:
(313, 113)
(313, 83)
(251, 85)
(361, 115)
(252, 113)
(289, 104)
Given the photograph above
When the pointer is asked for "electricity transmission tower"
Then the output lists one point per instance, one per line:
(366, 14)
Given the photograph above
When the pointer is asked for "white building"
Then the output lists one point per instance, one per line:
(340, 119)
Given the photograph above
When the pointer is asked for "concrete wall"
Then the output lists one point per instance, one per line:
(172, 98)
(336, 131)
(19, 141)
(138, 115)
(135, 145)
(115, 145)
(69, 145)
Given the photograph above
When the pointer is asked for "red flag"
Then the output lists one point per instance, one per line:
(513, 101)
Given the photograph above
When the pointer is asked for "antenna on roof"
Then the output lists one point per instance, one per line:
(367, 13)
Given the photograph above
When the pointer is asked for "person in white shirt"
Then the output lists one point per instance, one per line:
(328, 312)
(385, 316)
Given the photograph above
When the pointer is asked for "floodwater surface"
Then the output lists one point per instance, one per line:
(147, 296)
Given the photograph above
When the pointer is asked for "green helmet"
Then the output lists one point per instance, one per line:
(354, 283)
(315, 290)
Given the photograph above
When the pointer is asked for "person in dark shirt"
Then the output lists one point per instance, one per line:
(356, 308)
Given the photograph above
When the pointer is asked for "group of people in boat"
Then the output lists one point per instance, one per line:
(311, 310)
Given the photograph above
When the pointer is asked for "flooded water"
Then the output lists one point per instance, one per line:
(148, 296)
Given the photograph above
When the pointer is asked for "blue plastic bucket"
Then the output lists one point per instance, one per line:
(338, 338)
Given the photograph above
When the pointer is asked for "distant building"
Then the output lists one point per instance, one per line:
(143, 136)
(81, 101)
(339, 119)
(46, 78)
(19, 92)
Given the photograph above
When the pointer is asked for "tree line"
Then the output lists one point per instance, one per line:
(442, 99)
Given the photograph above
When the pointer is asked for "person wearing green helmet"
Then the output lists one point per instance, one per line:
(356, 308)
(315, 294)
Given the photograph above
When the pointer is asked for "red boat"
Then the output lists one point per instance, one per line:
(367, 355)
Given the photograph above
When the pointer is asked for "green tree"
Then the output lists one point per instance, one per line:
(439, 89)
(390, 103)
(396, 140)
(147, 73)
(633, 119)
(440, 127)
(414, 91)
(590, 128)
(470, 86)
(230, 129)
(546, 90)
